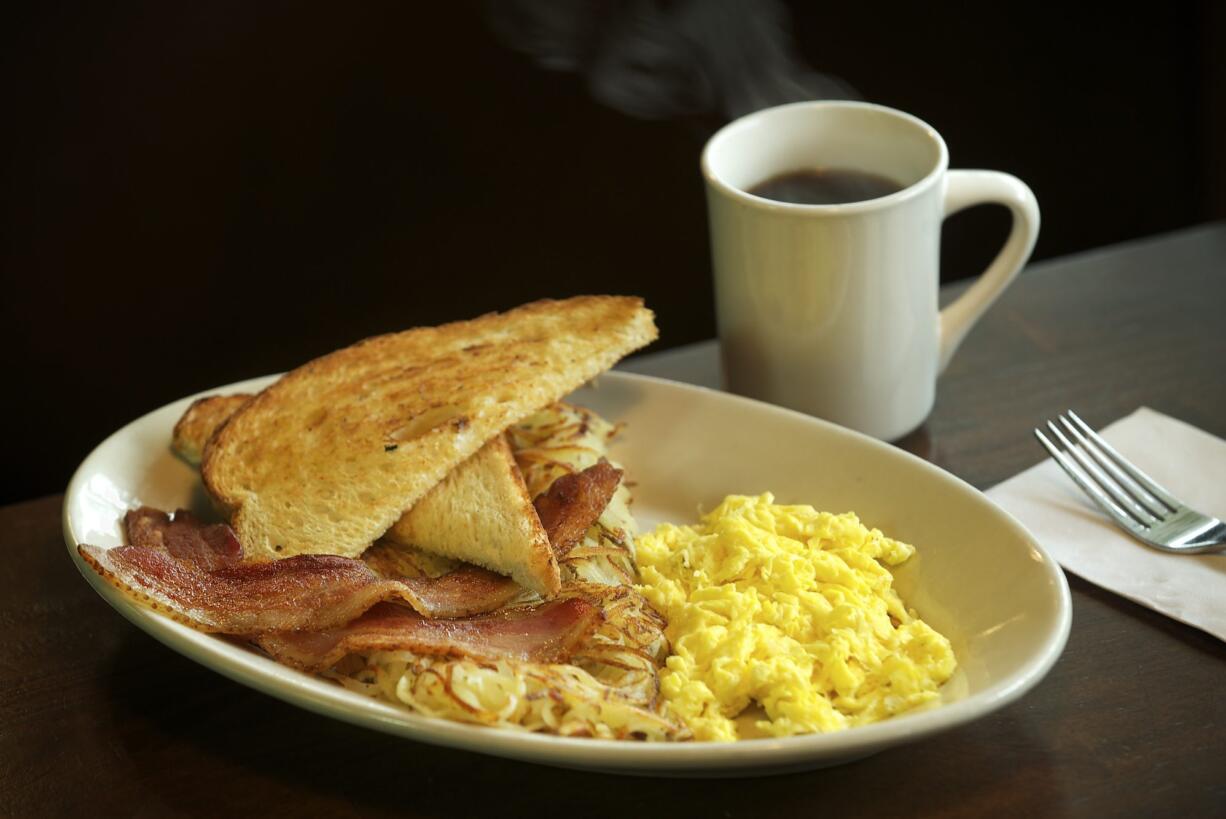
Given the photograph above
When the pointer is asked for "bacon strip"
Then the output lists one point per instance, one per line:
(467, 590)
(185, 537)
(194, 573)
(300, 592)
(574, 502)
(548, 633)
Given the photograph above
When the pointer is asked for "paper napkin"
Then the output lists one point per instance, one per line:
(1190, 464)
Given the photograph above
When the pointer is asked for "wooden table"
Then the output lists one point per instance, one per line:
(96, 718)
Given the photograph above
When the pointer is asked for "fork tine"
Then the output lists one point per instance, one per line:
(1139, 499)
(1091, 469)
(1089, 487)
(1142, 480)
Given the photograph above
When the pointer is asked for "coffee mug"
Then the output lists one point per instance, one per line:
(831, 309)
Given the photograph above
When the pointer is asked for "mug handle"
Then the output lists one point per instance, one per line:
(963, 190)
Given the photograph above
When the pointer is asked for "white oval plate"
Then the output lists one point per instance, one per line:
(979, 577)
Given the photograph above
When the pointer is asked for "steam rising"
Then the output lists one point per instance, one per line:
(659, 60)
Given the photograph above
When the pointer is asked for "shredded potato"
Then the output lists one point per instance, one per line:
(611, 687)
(563, 439)
(558, 699)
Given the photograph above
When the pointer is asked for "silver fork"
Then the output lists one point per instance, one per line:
(1133, 499)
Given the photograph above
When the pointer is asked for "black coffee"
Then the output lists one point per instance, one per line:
(825, 186)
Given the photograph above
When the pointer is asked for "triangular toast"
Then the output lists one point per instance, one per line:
(327, 458)
(480, 512)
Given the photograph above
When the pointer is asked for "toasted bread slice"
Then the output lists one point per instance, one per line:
(480, 513)
(327, 458)
(204, 416)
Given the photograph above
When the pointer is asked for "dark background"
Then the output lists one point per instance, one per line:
(199, 193)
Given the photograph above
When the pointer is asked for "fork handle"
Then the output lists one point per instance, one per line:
(965, 189)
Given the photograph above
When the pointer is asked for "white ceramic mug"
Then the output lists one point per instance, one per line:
(832, 309)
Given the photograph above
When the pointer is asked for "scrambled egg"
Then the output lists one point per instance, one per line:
(791, 609)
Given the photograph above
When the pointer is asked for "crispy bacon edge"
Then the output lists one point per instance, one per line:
(206, 585)
(574, 502)
(209, 546)
(546, 633)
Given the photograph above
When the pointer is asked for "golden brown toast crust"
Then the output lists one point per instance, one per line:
(200, 421)
(480, 512)
(327, 458)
